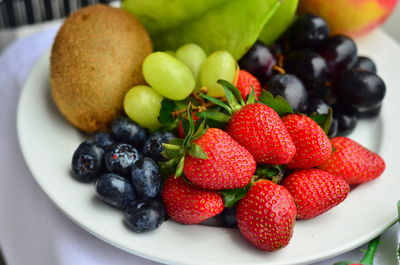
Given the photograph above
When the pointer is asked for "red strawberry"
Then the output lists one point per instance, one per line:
(228, 164)
(353, 162)
(245, 82)
(312, 145)
(188, 204)
(261, 131)
(315, 191)
(266, 216)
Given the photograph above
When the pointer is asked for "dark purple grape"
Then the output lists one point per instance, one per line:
(259, 61)
(228, 217)
(333, 130)
(340, 53)
(370, 113)
(309, 67)
(307, 32)
(291, 88)
(317, 105)
(346, 117)
(360, 89)
(364, 64)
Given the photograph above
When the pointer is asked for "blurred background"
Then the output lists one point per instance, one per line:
(19, 18)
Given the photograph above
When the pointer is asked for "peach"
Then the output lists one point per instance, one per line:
(351, 17)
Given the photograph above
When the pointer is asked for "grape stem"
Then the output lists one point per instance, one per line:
(202, 107)
(279, 70)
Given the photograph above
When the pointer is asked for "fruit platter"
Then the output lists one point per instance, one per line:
(270, 141)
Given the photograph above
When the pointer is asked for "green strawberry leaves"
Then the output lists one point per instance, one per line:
(275, 173)
(323, 120)
(233, 196)
(278, 103)
(176, 149)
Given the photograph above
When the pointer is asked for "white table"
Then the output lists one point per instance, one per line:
(32, 230)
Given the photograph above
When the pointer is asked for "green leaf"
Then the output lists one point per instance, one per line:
(231, 25)
(215, 115)
(197, 152)
(233, 90)
(200, 131)
(278, 103)
(232, 196)
(251, 98)
(179, 168)
(168, 168)
(217, 101)
(167, 107)
(274, 173)
(279, 21)
(323, 120)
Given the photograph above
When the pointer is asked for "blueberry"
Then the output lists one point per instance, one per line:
(291, 88)
(360, 89)
(146, 178)
(119, 158)
(87, 162)
(307, 32)
(144, 215)
(102, 139)
(115, 190)
(346, 117)
(340, 53)
(228, 217)
(259, 61)
(153, 146)
(364, 64)
(127, 131)
(309, 67)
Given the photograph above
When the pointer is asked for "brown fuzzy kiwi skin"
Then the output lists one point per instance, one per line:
(96, 58)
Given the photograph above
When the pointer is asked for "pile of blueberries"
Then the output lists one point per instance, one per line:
(315, 71)
(124, 166)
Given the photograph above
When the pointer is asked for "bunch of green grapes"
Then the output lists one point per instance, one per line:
(175, 75)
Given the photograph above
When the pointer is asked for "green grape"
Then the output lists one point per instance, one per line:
(193, 56)
(168, 76)
(142, 104)
(219, 65)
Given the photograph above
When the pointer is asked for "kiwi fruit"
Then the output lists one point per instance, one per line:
(96, 58)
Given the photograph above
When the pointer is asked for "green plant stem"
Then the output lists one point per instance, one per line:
(369, 255)
(172, 146)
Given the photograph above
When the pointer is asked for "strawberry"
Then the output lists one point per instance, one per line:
(312, 145)
(353, 162)
(260, 130)
(245, 82)
(266, 215)
(315, 191)
(188, 204)
(228, 164)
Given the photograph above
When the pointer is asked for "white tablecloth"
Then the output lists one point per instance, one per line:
(32, 230)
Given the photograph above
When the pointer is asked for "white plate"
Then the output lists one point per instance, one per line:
(48, 142)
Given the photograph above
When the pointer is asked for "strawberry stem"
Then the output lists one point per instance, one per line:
(368, 258)
(172, 146)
